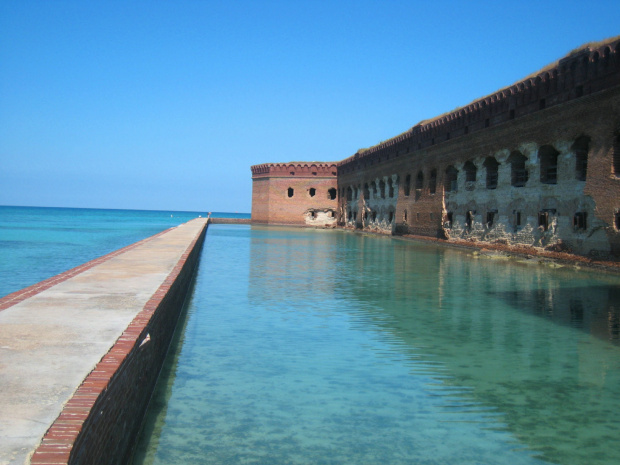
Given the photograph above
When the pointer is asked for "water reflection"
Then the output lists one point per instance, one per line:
(530, 343)
(311, 346)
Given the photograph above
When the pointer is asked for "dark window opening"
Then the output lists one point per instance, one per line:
(448, 224)
(365, 216)
(518, 172)
(548, 157)
(581, 148)
(417, 217)
(331, 194)
(512, 114)
(312, 191)
(491, 217)
(314, 173)
(349, 193)
(382, 189)
(366, 192)
(405, 216)
(580, 220)
(542, 104)
(543, 220)
(407, 187)
(330, 213)
(374, 216)
(419, 182)
(290, 192)
(517, 218)
(471, 173)
(390, 188)
(390, 217)
(292, 173)
(451, 184)
(374, 189)
(617, 220)
(313, 214)
(432, 183)
(492, 167)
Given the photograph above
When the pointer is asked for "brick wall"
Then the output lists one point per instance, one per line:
(100, 422)
(294, 193)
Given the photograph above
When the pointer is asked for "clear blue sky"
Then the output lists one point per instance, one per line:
(167, 104)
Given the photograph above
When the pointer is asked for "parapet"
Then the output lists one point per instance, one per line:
(586, 70)
(299, 169)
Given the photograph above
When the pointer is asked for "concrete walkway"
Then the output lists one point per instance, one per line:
(52, 340)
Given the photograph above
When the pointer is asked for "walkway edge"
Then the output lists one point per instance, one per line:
(100, 422)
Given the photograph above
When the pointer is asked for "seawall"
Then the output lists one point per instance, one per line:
(230, 221)
(80, 353)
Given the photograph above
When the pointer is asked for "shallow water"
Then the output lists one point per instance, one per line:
(310, 346)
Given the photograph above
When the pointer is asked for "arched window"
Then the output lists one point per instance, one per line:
(331, 194)
(290, 192)
(518, 171)
(312, 191)
(471, 172)
(451, 183)
(432, 182)
(548, 157)
(374, 189)
(419, 181)
(366, 192)
(382, 188)
(581, 147)
(492, 168)
(349, 194)
(390, 188)
(407, 187)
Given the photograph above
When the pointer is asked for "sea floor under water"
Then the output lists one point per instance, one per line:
(326, 347)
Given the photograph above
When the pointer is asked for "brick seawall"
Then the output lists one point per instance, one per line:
(230, 221)
(80, 353)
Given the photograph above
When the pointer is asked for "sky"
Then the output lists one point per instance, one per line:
(165, 105)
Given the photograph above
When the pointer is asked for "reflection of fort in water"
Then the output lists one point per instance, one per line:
(511, 338)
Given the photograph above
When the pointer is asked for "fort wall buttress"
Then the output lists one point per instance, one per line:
(295, 193)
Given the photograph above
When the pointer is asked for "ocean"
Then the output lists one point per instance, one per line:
(39, 242)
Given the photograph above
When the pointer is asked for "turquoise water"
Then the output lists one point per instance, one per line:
(37, 243)
(325, 347)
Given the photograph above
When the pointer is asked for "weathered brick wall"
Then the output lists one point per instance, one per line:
(578, 99)
(100, 422)
(564, 111)
(294, 193)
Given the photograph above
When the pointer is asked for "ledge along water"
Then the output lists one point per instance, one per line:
(72, 346)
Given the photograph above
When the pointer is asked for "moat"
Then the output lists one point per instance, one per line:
(312, 346)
